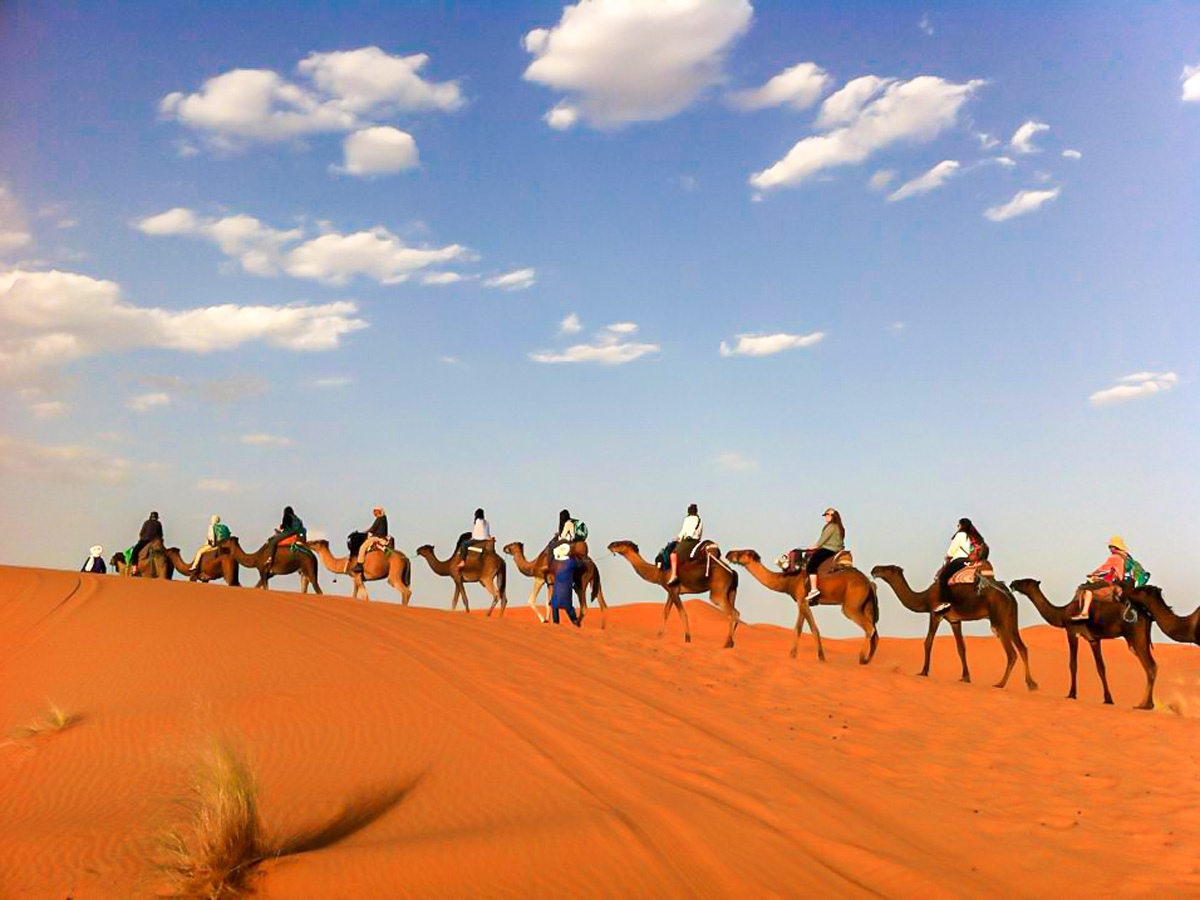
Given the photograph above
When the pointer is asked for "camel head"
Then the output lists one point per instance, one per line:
(887, 571)
(741, 557)
(425, 550)
(624, 547)
(319, 542)
(117, 561)
(514, 548)
(1025, 586)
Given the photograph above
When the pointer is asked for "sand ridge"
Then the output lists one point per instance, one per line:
(543, 761)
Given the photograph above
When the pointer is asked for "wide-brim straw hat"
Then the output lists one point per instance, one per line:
(1115, 541)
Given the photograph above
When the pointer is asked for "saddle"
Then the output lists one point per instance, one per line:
(971, 573)
(1101, 590)
(843, 559)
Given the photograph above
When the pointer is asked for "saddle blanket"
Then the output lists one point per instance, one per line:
(970, 574)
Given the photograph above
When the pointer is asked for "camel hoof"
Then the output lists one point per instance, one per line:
(793, 653)
(1144, 706)
(1109, 702)
(1032, 685)
(966, 679)
(729, 645)
(687, 638)
(1071, 696)
(863, 660)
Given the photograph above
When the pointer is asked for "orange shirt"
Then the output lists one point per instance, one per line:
(1113, 568)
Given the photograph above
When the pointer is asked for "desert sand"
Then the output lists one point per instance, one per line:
(540, 761)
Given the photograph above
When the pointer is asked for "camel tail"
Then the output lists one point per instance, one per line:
(873, 602)
(406, 577)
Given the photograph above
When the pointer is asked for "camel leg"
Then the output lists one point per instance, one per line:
(862, 619)
(1101, 669)
(666, 613)
(1140, 647)
(687, 627)
(1024, 652)
(490, 586)
(537, 589)
(804, 614)
(462, 587)
(956, 627)
(1073, 659)
(1010, 653)
(598, 599)
(725, 604)
(934, 621)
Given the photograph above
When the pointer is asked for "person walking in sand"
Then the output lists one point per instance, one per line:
(95, 561)
(564, 588)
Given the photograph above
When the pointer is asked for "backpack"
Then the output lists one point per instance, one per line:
(1135, 572)
(581, 531)
(221, 532)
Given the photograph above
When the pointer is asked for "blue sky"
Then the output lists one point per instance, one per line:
(324, 256)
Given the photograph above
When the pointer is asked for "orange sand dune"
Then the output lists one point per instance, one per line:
(548, 762)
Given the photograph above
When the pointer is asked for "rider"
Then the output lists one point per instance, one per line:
(95, 561)
(289, 525)
(831, 542)
(212, 537)
(1110, 571)
(377, 536)
(689, 536)
(480, 531)
(967, 546)
(152, 530)
(564, 536)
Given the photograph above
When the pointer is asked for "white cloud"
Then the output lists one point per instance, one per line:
(48, 319)
(768, 344)
(916, 111)
(1191, 84)
(218, 486)
(1022, 139)
(258, 105)
(926, 25)
(570, 325)
(881, 179)
(332, 381)
(1134, 387)
(516, 280)
(610, 347)
(378, 150)
(798, 87)
(66, 463)
(561, 117)
(1072, 154)
(450, 360)
(369, 81)
(437, 278)
(623, 61)
(1006, 162)
(1022, 202)
(734, 462)
(14, 234)
(146, 402)
(986, 141)
(331, 258)
(266, 440)
(846, 104)
(49, 409)
(930, 181)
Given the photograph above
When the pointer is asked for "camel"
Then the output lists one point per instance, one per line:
(214, 564)
(994, 603)
(1108, 621)
(848, 588)
(1185, 629)
(288, 559)
(482, 565)
(391, 564)
(702, 574)
(542, 570)
(153, 561)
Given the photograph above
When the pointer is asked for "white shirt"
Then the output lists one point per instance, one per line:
(960, 546)
(481, 530)
(692, 528)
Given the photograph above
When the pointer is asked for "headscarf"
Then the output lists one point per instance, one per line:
(97, 551)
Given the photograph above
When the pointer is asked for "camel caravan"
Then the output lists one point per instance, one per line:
(1116, 600)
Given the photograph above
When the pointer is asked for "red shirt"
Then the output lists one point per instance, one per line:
(1113, 568)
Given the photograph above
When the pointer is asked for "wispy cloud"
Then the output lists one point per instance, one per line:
(146, 402)
(332, 381)
(516, 280)
(1022, 139)
(798, 88)
(881, 179)
(1072, 154)
(930, 181)
(266, 440)
(768, 344)
(570, 325)
(1191, 83)
(217, 485)
(1021, 203)
(1135, 387)
(925, 24)
(49, 409)
(609, 347)
(734, 462)
(73, 464)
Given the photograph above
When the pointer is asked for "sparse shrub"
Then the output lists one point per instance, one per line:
(53, 719)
